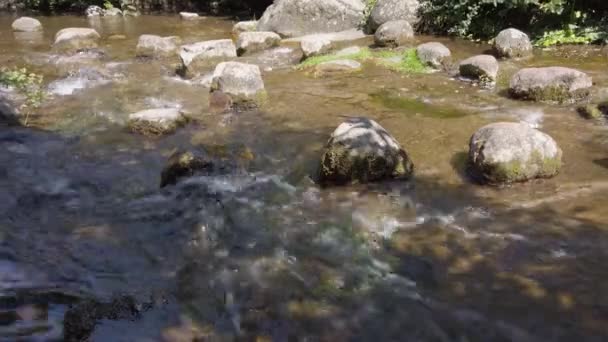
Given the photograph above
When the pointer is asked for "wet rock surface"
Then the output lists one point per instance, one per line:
(241, 82)
(555, 84)
(201, 57)
(482, 68)
(26, 24)
(513, 152)
(153, 46)
(434, 54)
(389, 10)
(159, 121)
(512, 43)
(361, 151)
(394, 33)
(251, 42)
(72, 40)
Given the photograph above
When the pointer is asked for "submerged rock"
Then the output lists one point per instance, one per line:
(394, 33)
(389, 10)
(554, 84)
(157, 121)
(315, 45)
(244, 26)
(10, 104)
(508, 152)
(200, 57)
(291, 18)
(26, 24)
(512, 43)
(189, 16)
(75, 39)
(483, 68)
(241, 82)
(184, 164)
(275, 58)
(361, 151)
(434, 54)
(80, 320)
(156, 46)
(250, 42)
(593, 110)
(336, 67)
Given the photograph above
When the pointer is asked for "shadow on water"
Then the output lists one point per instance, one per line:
(269, 255)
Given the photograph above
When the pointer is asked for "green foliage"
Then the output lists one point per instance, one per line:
(108, 5)
(483, 19)
(407, 61)
(27, 83)
(561, 37)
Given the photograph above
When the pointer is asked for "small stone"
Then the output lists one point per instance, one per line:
(315, 45)
(512, 43)
(241, 82)
(508, 152)
(433, 54)
(76, 39)
(482, 68)
(244, 26)
(250, 42)
(189, 16)
(552, 84)
(159, 121)
(394, 33)
(362, 151)
(27, 24)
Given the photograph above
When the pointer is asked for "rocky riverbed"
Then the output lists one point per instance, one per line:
(246, 239)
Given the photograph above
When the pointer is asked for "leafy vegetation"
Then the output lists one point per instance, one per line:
(565, 21)
(402, 61)
(27, 83)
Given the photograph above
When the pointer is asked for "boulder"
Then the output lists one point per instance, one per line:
(75, 39)
(244, 26)
(291, 18)
(156, 46)
(183, 164)
(27, 24)
(250, 42)
(339, 66)
(275, 58)
(508, 152)
(200, 57)
(361, 151)
(554, 84)
(433, 54)
(93, 11)
(512, 43)
(389, 10)
(241, 82)
(483, 68)
(158, 121)
(394, 33)
(189, 16)
(315, 45)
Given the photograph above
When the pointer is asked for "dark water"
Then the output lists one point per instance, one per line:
(262, 253)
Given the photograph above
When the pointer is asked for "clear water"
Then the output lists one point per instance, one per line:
(266, 254)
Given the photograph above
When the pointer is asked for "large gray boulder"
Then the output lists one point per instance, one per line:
(156, 46)
(291, 18)
(75, 39)
(241, 83)
(158, 121)
(508, 152)
(394, 33)
(483, 68)
(362, 151)
(26, 24)
(512, 43)
(433, 54)
(389, 10)
(250, 42)
(554, 84)
(200, 57)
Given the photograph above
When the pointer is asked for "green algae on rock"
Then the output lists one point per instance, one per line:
(508, 152)
(362, 151)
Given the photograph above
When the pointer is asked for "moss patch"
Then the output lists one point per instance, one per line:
(408, 62)
(391, 100)
(551, 94)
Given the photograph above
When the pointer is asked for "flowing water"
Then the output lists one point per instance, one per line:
(262, 253)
